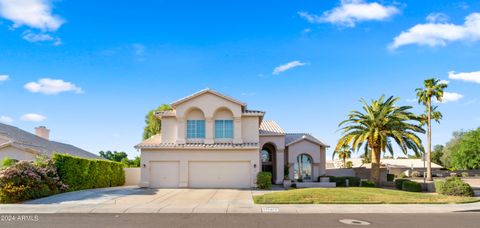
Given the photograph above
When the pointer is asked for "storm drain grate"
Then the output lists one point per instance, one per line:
(354, 222)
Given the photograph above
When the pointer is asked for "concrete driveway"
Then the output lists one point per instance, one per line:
(141, 200)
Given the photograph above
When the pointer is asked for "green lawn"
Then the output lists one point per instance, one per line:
(356, 196)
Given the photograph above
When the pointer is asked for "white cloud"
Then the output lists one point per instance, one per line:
(32, 13)
(138, 49)
(444, 81)
(4, 77)
(287, 66)
(52, 86)
(40, 37)
(451, 97)
(437, 17)
(466, 76)
(33, 117)
(6, 119)
(440, 33)
(413, 100)
(351, 12)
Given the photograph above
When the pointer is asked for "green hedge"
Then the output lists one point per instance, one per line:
(81, 173)
(390, 177)
(411, 186)
(264, 180)
(453, 186)
(342, 181)
(399, 183)
(369, 184)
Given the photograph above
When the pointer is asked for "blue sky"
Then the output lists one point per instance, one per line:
(90, 70)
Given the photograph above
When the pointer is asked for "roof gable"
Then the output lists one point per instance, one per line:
(292, 138)
(205, 91)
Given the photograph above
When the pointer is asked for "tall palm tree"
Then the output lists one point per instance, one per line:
(376, 127)
(433, 88)
(344, 153)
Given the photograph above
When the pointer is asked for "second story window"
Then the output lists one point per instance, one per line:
(224, 129)
(195, 129)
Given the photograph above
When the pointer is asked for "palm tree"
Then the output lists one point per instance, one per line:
(376, 127)
(344, 153)
(433, 88)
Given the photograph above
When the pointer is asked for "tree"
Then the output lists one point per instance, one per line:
(366, 156)
(465, 153)
(153, 123)
(450, 147)
(113, 156)
(437, 154)
(131, 163)
(376, 127)
(344, 153)
(432, 88)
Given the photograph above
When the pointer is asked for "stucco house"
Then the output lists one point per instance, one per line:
(22, 145)
(210, 140)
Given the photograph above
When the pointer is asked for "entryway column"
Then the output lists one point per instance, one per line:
(280, 164)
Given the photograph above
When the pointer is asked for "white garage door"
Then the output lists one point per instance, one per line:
(164, 174)
(222, 174)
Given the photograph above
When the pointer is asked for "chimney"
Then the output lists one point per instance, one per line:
(43, 132)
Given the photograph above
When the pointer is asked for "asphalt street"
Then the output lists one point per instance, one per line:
(457, 220)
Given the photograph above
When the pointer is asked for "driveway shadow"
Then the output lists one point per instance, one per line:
(92, 196)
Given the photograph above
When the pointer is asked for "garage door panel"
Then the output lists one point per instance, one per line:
(222, 174)
(164, 174)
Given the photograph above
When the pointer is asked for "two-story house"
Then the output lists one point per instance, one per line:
(210, 140)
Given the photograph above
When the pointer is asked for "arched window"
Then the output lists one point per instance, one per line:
(195, 124)
(303, 167)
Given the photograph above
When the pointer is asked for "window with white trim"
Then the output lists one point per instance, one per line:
(223, 129)
(195, 129)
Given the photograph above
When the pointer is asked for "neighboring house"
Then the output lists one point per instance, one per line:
(210, 140)
(22, 145)
(394, 166)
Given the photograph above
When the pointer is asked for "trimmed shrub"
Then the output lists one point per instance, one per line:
(82, 173)
(7, 162)
(390, 177)
(368, 184)
(399, 183)
(464, 174)
(342, 181)
(264, 180)
(411, 186)
(453, 186)
(403, 175)
(25, 180)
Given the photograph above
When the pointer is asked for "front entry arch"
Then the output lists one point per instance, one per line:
(268, 159)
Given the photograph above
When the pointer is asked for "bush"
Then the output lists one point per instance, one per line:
(403, 175)
(264, 180)
(411, 186)
(453, 186)
(7, 162)
(399, 183)
(25, 180)
(390, 177)
(464, 174)
(342, 181)
(369, 184)
(81, 173)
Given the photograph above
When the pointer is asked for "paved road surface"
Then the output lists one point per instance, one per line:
(457, 220)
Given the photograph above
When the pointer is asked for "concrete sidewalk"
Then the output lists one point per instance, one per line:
(137, 200)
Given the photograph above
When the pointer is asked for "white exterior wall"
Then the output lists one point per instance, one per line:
(250, 125)
(17, 154)
(184, 156)
(132, 176)
(314, 150)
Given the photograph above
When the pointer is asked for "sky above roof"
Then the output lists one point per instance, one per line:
(90, 70)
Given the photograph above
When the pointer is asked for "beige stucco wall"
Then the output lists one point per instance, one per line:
(16, 153)
(132, 176)
(184, 156)
(209, 107)
(314, 150)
